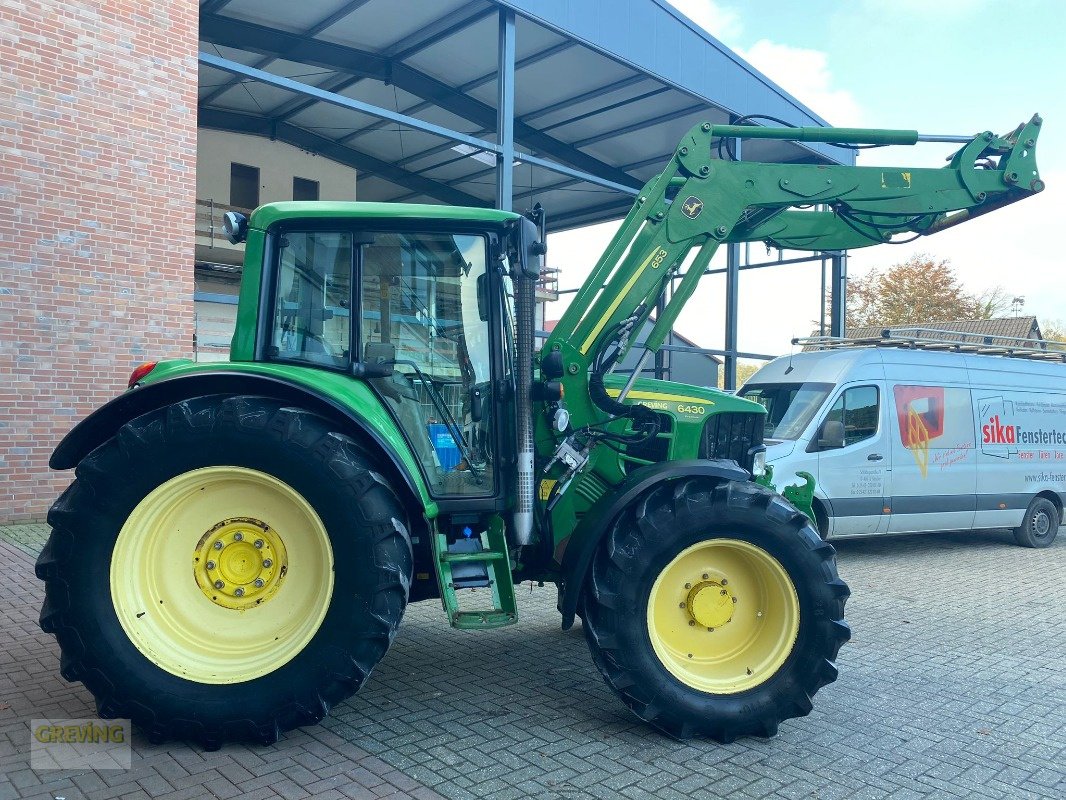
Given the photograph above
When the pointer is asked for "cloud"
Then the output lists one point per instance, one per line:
(805, 74)
(721, 22)
(802, 72)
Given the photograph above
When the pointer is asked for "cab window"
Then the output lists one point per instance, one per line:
(425, 309)
(312, 298)
(858, 409)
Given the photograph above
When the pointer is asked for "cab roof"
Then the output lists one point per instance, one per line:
(266, 215)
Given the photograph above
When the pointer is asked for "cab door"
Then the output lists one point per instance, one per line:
(853, 468)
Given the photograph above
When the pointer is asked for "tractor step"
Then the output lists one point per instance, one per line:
(476, 561)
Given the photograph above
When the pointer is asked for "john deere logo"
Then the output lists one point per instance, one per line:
(692, 207)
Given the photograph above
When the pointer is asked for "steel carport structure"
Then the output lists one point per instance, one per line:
(574, 104)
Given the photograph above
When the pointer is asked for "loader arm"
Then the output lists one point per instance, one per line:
(699, 203)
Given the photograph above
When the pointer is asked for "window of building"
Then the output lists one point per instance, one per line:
(304, 189)
(243, 186)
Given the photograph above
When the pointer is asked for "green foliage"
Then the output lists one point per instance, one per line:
(745, 369)
(1053, 330)
(918, 291)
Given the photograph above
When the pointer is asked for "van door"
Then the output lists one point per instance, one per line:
(934, 475)
(853, 469)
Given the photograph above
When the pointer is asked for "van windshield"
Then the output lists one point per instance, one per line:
(789, 406)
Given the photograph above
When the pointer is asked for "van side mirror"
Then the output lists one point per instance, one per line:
(832, 435)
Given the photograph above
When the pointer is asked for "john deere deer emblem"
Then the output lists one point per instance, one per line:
(692, 207)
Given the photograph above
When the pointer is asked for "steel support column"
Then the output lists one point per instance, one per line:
(838, 292)
(732, 298)
(505, 111)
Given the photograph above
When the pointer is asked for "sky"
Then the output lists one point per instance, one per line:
(938, 66)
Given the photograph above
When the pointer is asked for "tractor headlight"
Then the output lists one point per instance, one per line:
(758, 463)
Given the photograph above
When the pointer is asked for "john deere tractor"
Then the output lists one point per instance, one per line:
(236, 552)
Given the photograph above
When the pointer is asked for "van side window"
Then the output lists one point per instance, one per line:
(858, 409)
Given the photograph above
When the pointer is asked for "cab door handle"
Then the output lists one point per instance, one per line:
(874, 457)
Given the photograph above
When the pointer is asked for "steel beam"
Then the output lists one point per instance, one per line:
(299, 137)
(450, 24)
(401, 119)
(584, 97)
(466, 87)
(344, 102)
(213, 6)
(291, 108)
(505, 110)
(639, 126)
(604, 109)
(314, 30)
(257, 38)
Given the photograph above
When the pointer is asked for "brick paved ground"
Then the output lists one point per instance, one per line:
(953, 686)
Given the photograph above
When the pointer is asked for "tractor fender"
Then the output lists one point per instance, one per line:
(105, 422)
(595, 524)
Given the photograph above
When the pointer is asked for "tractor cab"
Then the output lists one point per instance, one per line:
(417, 307)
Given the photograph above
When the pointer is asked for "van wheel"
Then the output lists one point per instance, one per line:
(1040, 524)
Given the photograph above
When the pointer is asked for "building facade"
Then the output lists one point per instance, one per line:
(97, 200)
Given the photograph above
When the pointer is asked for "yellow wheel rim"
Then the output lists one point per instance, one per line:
(723, 616)
(222, 575)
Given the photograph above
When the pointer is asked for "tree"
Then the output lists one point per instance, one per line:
(1053, 330)
(917, 292)
(745, 369)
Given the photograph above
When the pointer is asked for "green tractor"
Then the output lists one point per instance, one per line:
(242, 538)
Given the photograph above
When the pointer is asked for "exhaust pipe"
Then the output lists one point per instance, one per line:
(525, 303)
(532, 249)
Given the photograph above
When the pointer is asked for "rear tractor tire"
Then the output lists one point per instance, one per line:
(226, 568)
(715, 610)
(1040, 524)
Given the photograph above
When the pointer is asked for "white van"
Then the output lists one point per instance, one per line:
(910, 440)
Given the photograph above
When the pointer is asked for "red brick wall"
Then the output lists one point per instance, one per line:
(97, 199)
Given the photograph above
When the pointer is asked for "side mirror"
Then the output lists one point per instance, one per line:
(234, 227)
(832, 435)
(379, 361)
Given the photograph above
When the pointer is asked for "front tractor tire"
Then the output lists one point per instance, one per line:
(225, 568)
(715, 610)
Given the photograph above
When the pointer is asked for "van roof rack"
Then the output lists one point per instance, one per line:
(921, 338)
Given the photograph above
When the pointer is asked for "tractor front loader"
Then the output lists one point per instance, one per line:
(236, 552)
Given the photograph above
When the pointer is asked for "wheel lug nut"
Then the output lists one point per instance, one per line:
(734, 601)
(218, 545)
(210, 564)
(688, 585)
(239, 592)
(724, 592)
(724, 581)
(219, 584)
(705, 576)
(680, 605)
(259, 544)
(238, 536)
(259, 583)
(692, 623)
(267, 563)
